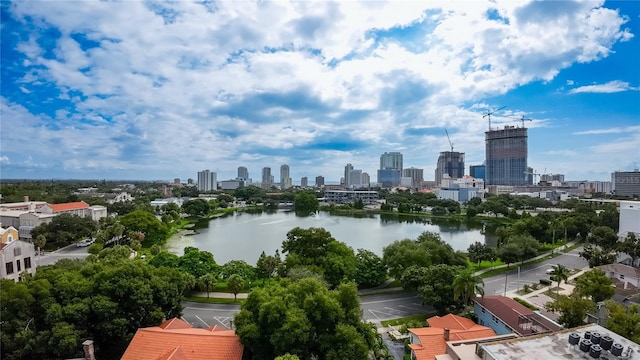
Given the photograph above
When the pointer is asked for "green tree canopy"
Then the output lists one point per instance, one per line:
(595, 284)
(317, 249)
(630, 246)
(267, 265)
(196, 207)
(466, 285)
(573, 309)
(65, 229)
(306, 202)
(603, 236)
(370, 271)
(197, 262)
(624, 321)
(155, 232)
(304, 319)
(238, 267)
(434, 284)
(478, 252)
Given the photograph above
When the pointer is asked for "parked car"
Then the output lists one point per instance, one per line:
(549, 271)
(85, 242)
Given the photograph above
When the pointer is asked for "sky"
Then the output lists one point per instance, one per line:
(158, 90)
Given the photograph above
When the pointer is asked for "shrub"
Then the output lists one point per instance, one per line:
(525, 303)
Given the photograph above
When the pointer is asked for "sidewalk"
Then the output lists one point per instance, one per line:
(559, 250)
(220, 295)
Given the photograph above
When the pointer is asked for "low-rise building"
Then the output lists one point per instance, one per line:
(16, 257)
(350, 196)
(623, 276)
(8, 235)
(177, 339)
(505, 315)
(428, 343)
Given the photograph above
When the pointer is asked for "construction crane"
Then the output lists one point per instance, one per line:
(489, 113)
(523, 119)
(534, 176)
(450, 143)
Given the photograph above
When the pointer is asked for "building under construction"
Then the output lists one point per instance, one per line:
(450, 163)
(506, 156)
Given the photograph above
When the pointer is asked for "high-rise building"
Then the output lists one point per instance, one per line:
(366, 179)
(319, 181)
(626, 183)
(552, 177)
(304, 182)
(266, 176)
(390, 169)
(450, 163)
(190, 181)
(285, 180)
(207, 181)
(347, 170)
(416, 175)
(243, 173)
(354, 179)
(506, 156)
(477, 171)
(391, 161)
(176, 181)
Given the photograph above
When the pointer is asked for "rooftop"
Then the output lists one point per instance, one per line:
(621, 269)
(69, 206)
(521, 319)
(554, 346)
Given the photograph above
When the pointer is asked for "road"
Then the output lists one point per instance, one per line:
(67, 252)
(531, 274)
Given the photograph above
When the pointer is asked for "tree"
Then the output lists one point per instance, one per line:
(573, 309)
(624, 321)
(238, 267)
(560, 273)
(305, 319)
(435, 287)
(196, 207)
(197, 262)
(595, 284)
(358, 204)
(267, 266)
(317, 249)
(370, 271)
(155, 232)
(208, 282)
(478, 252)
(166, 259)
(603, 236)
(235, 283)
(630, 246)
(466, 285)
(40, 241)
(596, 256)
(510, 253)
(306, 202)
(65, 229)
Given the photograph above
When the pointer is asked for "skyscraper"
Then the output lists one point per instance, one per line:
(416, 175)
(207, 181)
(355, 179)
(347, 170)
(477, 171)
(243, 173)
(366, 179)
(319, 181)
(390, 169)
(285, 180)
(266, 176)
(506, 156)
(304, 182)
(450, 163)
(391, 161)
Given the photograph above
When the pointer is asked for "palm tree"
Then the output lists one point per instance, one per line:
(207, 282)
(467, 285)
(559, 273)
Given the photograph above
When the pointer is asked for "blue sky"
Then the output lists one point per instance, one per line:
(153, 90)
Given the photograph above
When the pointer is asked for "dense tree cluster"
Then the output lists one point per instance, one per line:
(65, 229)
(317, 250)
(307, 320)
(107, 300)
(305, 202)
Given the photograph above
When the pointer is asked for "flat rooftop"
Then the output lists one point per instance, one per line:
(554, 346)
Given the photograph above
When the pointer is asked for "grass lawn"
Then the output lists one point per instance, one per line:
(404, 320)
(213, 300)
(485, 264)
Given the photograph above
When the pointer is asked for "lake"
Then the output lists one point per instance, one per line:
(244, 235)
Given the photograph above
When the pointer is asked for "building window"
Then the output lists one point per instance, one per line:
(621, 276)
(9, 268)
(483, 310)
(17, 251)
(18, 265)
(27, 263)
(495, 319)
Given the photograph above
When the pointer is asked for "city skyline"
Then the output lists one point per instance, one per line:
(148, 91)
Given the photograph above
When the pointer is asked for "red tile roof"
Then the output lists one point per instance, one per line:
(432, 340)
(69, 206)
(509, 311)
(175, 339)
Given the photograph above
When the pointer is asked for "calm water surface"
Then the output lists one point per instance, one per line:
(243, 235)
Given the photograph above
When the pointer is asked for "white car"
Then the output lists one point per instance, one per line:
(549, 271)
(85, 242)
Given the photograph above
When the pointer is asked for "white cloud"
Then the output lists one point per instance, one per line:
(610, 87)
(615, 130)
(284, 77)
(4, 160)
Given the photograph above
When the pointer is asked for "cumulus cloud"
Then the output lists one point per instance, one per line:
(144, 85)
(608, 88)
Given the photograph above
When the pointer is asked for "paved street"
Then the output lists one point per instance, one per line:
(67, 252)
(531, 274)
(207, 315)
(376, 308)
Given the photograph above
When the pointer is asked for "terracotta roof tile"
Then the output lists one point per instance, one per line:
(432, 340)
(176, 342)
(69, 206)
